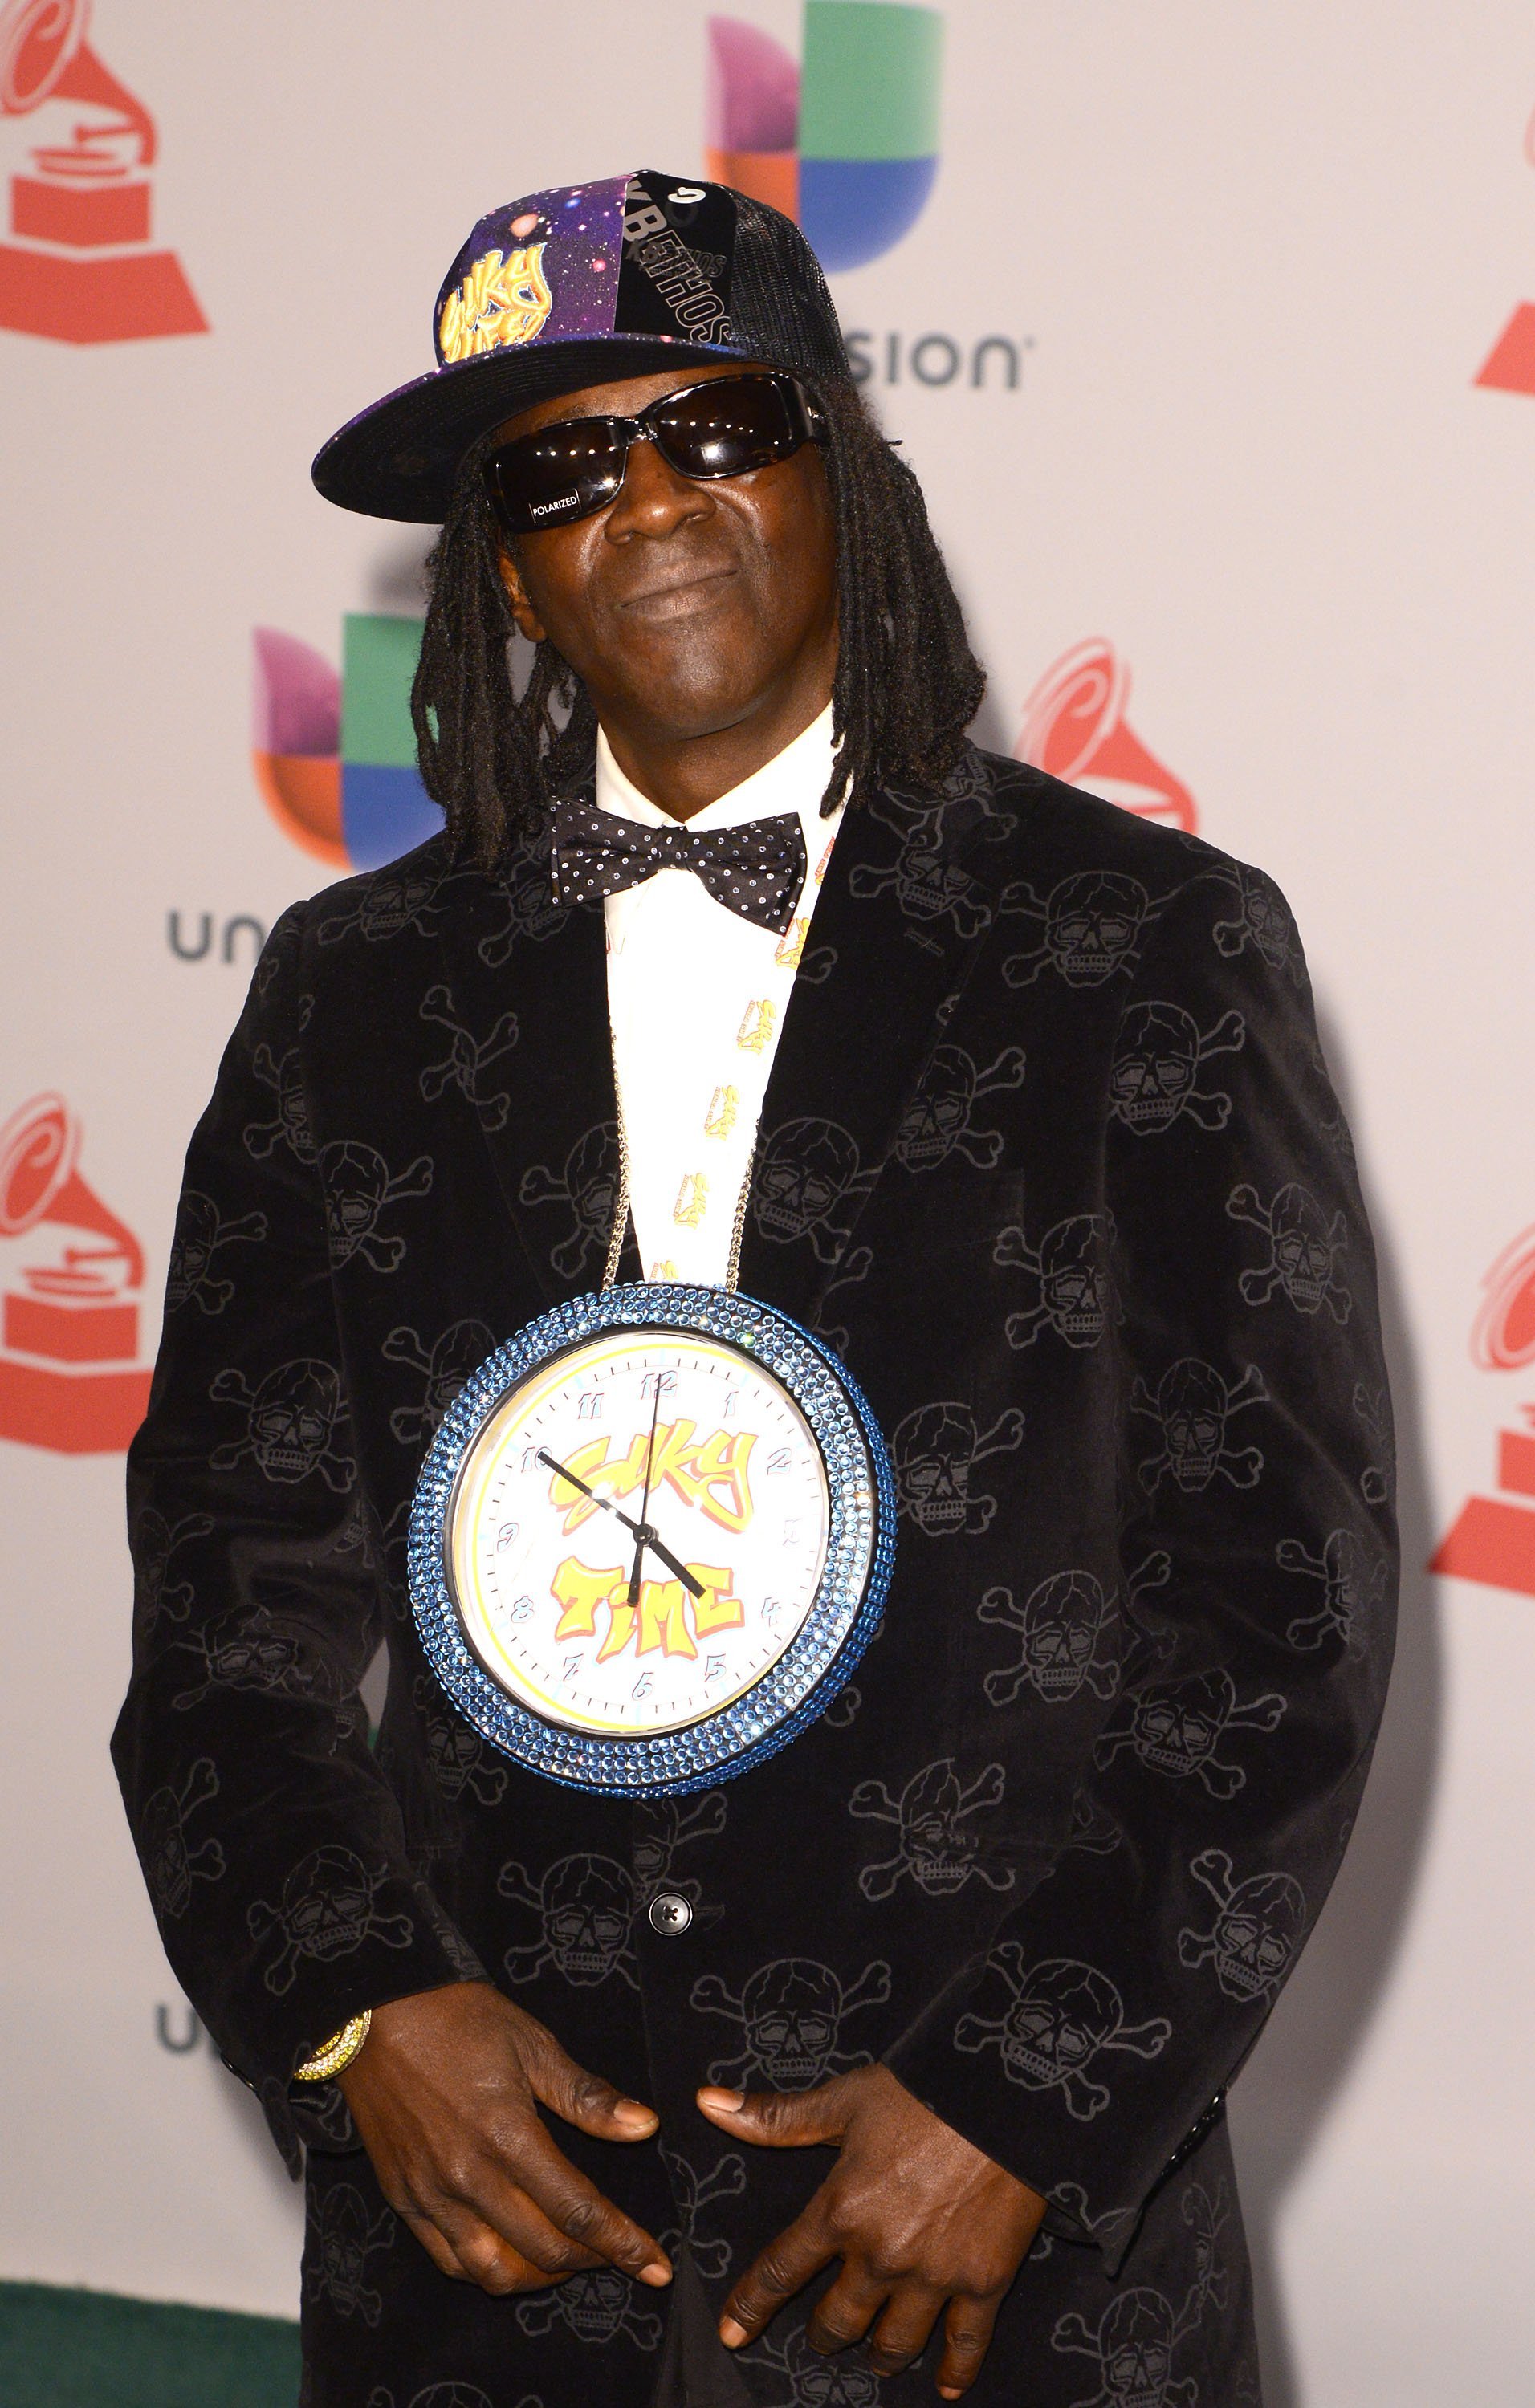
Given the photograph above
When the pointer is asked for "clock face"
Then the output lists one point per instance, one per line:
(637, 1532)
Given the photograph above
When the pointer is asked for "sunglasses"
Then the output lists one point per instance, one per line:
(721, 428)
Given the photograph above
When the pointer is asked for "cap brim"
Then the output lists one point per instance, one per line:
(400, 459)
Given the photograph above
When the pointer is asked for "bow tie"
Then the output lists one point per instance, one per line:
(757, 871)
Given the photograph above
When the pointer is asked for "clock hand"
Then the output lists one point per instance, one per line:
(642, 1531)
(645, 1499)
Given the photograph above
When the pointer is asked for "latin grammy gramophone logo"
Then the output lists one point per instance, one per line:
(79, 265)
(1074, 726)
(70, 1378)
(1510, 366)
(1493, 1538)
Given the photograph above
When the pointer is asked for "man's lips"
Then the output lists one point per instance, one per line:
(674, 597)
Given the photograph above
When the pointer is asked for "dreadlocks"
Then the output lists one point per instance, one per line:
(907, 683)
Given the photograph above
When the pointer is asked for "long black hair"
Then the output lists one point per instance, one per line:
(906, 685)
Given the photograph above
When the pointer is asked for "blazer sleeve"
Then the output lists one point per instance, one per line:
(272, 1846)
(1219, 1773)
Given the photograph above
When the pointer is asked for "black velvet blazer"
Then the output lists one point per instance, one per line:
(1050, 1152)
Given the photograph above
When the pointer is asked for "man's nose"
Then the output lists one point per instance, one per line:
(654, 498)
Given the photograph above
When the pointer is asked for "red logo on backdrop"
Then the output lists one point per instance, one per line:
(70, 1375)
(1509, 367)
(1493, 1538)
(1074, 725)
(79, 265)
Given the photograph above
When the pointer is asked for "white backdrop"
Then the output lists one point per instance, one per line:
(1253, 260)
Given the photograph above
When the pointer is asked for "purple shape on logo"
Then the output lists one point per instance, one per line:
(753, 89)
(296, 696)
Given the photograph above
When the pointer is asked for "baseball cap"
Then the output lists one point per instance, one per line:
(586, 284)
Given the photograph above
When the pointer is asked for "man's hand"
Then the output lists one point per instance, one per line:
(444, 2092)
(925, 2225)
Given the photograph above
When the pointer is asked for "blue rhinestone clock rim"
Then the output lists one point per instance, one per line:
(848, 1605)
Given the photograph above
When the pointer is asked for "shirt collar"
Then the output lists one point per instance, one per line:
(794, 780)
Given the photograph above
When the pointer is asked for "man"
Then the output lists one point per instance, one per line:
(1035, 1129)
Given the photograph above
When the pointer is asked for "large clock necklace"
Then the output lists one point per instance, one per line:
(653, 1534)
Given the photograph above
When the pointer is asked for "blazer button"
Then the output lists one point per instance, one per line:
(670, 1913)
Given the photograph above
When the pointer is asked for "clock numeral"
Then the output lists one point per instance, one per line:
(780, 1459)
(791, 1534)
(589, 1405)
(530, 1456)
(713, 1668)
(771, 1608)
(657, 1384)
(732, 1398)
(643, 1686)
(520, 1610)
(572, 1665)
(505, 1535)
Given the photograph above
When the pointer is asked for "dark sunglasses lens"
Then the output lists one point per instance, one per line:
(728, 425)
(564, 472)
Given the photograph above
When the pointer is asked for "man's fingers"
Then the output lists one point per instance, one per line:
(478, 2256)
(843, 2314)
(582, 2099)
(578, 2209)
(967, 2338)
(779, 2120)
(784, 2267)
(492, 2214)
(902, 2332)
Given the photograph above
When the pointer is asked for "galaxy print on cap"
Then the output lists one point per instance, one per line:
(631, 255)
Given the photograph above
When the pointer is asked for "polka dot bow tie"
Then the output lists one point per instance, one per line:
(757, 870)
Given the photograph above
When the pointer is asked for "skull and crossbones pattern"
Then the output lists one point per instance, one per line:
(455, 1750)
(442, 1367)
(1304, 1248)
(1090, 927)
(342, 2238)
(935, 1449)
(291, 1421)
(926, 887)
(1262, 919)
(1072, 1633)
(327, 1910)
(807, 1180)
(791, 2013)
(811, 2380)
(1075, 1293)
(1176, 1729)
(1154, 1079)
(155, 1542)
(203, 1231)
(1061, 2016)
(850, 1271)
(586, 1905)
(938, 1850)
(249, 1650)
(385, 905)
(1192, 1406)
(1373, 1411)
(533, 911)
(290, 1124)
(359, 1191)
(939, 1116)
(444, 2395)
(1133, 2344)
(467, 1059)
(595, 2306)
(664, 1824)
(694, 2193)
(588, 1186)
(1206, 2218)
(171, 1862)
(1260, 1924)
(1352, 1579)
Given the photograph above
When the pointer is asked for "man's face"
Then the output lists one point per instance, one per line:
(684, 607)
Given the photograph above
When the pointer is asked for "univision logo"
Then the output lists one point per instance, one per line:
(334, 757)
(847, 143)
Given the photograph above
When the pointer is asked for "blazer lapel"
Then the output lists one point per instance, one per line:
(910, 894)
(544, 1101)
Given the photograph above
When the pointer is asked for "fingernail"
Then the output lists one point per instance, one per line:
(731, 2334)
(655, 2273)
(729, 2102)
(629, 2111)
(948, 2395)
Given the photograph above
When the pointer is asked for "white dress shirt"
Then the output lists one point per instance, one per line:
(697, 998)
